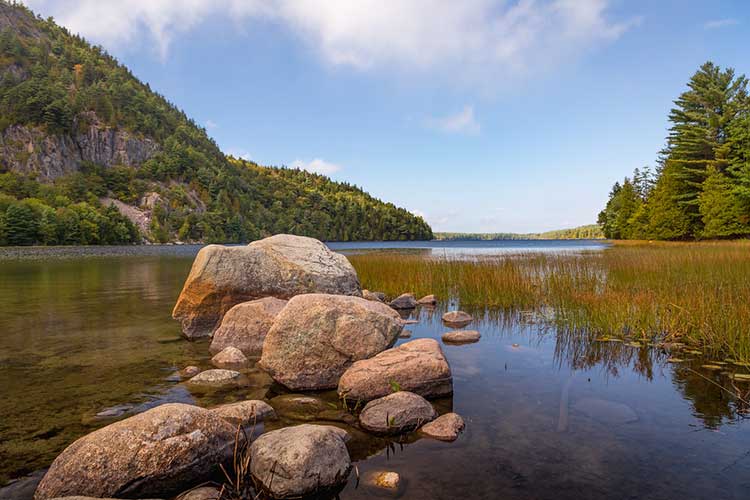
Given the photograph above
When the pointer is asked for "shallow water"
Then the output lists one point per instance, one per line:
(549, 414)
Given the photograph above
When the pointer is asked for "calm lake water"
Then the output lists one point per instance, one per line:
(548, 415)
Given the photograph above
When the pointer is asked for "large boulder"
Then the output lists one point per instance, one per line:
(280, 266)
(418, 366)
(159, 452)
(300, 460)
(396, 413)
(316, 337)
(245, 326)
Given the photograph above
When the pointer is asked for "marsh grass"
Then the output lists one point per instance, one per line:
(695, 293)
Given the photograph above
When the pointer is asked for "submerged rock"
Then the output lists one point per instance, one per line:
(396, 413)
(385, 479)
(376, 296)
(316, 337)
(298, 406)
(215, 378)
(201, 493)
(606, 412)
(444, 428)
(427, 300)
(300, 460)
(160, 451)
(418, 366)
(458, 319)
(245, 326)
(281, 266)
(230, 357)
(404, 301)
(461, 337)
(244, 412)
(189, 371)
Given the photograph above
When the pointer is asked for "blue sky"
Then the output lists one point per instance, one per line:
(480, 115)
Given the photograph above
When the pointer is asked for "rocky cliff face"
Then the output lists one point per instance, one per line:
(31, 150)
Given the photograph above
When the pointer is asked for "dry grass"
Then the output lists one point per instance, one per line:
(698, 293)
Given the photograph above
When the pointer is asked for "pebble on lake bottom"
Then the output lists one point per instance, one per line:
(389, 480)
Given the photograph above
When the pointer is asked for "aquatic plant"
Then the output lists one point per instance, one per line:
(651, 292)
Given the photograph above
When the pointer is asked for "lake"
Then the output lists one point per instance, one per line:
(87, 338)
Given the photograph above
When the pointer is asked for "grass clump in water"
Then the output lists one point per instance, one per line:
(694, 293)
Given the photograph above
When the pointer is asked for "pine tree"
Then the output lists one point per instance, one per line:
(698, 136)
(720, 208)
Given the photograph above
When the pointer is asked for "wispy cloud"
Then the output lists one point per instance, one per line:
(469, 39)
(462, 122)
(241, 154)
(720, 23)
(210, 124)
(317, 166)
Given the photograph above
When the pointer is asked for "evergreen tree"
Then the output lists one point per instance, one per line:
(698, 137)
(720, 208)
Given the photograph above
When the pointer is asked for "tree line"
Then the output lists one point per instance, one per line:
(56, 82)
(700, 188)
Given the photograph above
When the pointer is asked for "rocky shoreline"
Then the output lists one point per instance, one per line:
(293, 308)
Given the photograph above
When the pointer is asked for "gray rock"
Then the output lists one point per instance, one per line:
(404, 301)
(230, 358)
(396, 413)
(281, 266)
(296, 461)
(376, 296)
(299, 406)
(444, 428)
(461, 337)
(457, 319)
(215, 378)
(245, 326)
(245, 412)
(160, 451)
(418, 366)
(201, 493)
(427, 300)
(33, 151)
(316, 337)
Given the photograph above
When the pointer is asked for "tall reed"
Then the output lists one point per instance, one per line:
(696, 293)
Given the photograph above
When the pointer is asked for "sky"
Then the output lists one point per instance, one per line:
(479, 115)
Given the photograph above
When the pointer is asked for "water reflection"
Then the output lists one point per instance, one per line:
(549, 413)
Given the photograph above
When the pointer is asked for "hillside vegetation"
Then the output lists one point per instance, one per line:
(587, 232)
(79, 133)
(701, 186)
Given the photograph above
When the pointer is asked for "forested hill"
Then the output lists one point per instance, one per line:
(701, 186)
(587, 232)
(89, 154)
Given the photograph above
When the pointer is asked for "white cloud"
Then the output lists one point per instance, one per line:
(720, 23)
(210, 124)
(461, 122)
(317, 166)
(241, 154)
(485, 40)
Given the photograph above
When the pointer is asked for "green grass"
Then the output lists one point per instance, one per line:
(695, 293)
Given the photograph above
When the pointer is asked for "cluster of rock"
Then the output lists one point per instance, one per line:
(298, 307)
